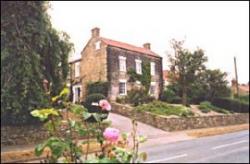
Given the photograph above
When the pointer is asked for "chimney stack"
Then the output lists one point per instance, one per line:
(146, 45)
(95, 32)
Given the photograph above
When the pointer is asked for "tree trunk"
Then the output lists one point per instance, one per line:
(184, 96)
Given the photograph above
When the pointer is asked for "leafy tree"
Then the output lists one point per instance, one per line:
(185, 67)
(31, 51)
(215, 84)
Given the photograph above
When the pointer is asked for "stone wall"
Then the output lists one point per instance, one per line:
(21, 135)
(181, 123)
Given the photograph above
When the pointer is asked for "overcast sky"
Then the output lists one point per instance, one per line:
(221, 29)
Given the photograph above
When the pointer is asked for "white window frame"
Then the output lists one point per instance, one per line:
(152, 68)
(122, 64)
(74, 93)
(77, 69)
(152, 84)
(138, 66)
(125, 82)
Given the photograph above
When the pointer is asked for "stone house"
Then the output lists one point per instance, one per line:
(104, 59)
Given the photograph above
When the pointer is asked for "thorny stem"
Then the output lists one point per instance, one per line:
(87, 151)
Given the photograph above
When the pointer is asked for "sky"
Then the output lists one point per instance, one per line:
(221, 29)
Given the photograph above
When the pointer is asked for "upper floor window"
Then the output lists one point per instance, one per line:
(152, 70)
(77, 69)
(138, 66)
(122, 63)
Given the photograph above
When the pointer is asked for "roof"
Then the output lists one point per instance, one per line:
(244, 88)
(128, 47)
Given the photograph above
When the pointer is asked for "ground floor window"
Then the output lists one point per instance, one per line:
(122, 88)
(152, 89)
(76, 93)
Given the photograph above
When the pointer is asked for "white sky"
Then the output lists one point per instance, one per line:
(219, 28)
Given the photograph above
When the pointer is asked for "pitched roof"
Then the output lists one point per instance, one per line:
(244, 88)
(128, 47)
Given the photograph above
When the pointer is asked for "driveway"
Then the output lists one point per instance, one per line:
(154, 135)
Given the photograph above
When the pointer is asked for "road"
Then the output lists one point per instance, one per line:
(226, 148)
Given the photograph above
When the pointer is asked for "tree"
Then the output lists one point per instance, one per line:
(185, 67)
(31, 51)
(215, 84)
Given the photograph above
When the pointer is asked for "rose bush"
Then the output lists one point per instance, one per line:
(64, 117)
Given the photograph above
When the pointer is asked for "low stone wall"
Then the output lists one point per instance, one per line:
(21, 135)
(181, 123)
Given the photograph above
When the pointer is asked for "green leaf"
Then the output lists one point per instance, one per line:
(97, 117)
(39, 149)
(64, 92)
(86, 115)
(143, 156)
(141, 139)
(44, 113)
(82, 132)
(77, 109)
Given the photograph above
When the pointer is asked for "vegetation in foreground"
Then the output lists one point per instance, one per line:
(206, 107)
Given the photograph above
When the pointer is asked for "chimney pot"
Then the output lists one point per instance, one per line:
(95, 32)
(146, 45)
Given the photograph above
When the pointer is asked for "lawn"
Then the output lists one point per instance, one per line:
(206, 107)
(162, 108)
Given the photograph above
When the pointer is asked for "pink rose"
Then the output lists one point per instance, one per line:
(111, 134)
(104, 104)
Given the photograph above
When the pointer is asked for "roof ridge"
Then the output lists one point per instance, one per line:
(129, 46)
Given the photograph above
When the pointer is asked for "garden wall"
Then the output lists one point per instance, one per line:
(181, 123)
(20, 135)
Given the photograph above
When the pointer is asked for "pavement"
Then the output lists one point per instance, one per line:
(226, 148)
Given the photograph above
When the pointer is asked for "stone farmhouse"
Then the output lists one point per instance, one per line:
(104, 59)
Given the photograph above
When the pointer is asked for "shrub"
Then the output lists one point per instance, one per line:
(231, 105)
(206, 107)
(170, 96)
(98, 87)
(244, 98)
(96, 97)
(121, 100)
(163, 108)
(137, 97)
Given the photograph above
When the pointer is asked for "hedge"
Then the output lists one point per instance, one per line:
(98, 87)
(231, 105)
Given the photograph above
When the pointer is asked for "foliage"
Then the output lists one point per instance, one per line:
(31, 51)
(137, 97)
(166, 109)
(64, 148)
(170, 96)
(233, 105)
(144, 78)
(206, 107)
(98, 87)
(185, 67)
(243, 98)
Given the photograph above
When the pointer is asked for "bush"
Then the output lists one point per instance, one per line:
(137, 97)
(98, 87)
(233, 105)
(170, 96)
(206, 107)
(163, 108)
(244, 99)
(121, 100)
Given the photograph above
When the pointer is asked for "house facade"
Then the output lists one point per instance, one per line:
(104, 59)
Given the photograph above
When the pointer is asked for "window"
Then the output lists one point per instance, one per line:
(122, 87)
(138, 66)
(152, 88)
(97, 45)
(77, 69)
(76, 93)
(152, 70)
(122, 63)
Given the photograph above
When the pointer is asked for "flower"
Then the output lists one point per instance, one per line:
(104, 104)
(111, 134)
